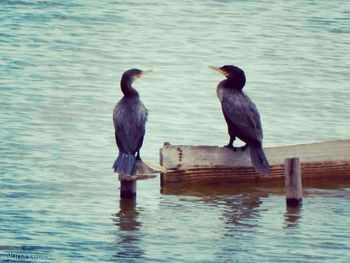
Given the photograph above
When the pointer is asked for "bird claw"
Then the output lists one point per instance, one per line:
(138, 157)
(230, 146)
(242, 148)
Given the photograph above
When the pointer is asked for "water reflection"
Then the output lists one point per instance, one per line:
(128, 238)
(240, 217)
(240, 210)
(292, 216)
(239, 204)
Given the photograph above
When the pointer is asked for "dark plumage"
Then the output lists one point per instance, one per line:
(241, 115)
(129, 119)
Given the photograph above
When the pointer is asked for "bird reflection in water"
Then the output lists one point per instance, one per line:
(128, 238)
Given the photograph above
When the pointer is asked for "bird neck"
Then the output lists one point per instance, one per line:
(233, 83)
(127, 89)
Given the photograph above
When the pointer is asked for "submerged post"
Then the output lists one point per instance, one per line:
(127, 186)
(293, 182)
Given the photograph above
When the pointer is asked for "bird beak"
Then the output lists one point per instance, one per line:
(143, 73)
(219, 70)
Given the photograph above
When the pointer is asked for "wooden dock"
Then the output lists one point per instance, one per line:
(207, 165)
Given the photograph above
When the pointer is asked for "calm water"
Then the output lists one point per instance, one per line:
(61, 62)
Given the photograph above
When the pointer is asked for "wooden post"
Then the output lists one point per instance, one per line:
(128, 182)
(293, 182)
(127, 186)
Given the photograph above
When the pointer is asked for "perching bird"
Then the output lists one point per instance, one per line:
(129, 119)
(241, 115)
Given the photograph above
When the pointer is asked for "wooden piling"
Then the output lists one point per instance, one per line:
(292, 179)
(143, 171)
(127, 186)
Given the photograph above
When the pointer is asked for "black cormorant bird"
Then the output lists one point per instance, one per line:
(129, 119)
(241, 115)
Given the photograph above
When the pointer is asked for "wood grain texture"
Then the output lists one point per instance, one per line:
(187, 164)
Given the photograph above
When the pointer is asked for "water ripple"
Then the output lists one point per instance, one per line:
(61, 64)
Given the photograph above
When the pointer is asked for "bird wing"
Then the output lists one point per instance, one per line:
(240, 111)
(129, 124)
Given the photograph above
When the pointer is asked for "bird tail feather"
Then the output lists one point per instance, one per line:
(125, 163)
(259, 160)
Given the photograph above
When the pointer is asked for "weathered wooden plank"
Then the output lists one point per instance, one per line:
(211, 164)
(187, 156)
(147, 170)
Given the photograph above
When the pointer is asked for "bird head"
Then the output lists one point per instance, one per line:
(234, 75)
(133, 74)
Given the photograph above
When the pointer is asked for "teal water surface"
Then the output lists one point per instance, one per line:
(61, 62)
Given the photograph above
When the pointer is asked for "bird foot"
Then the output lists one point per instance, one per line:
(242, 148)
(230, 146)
